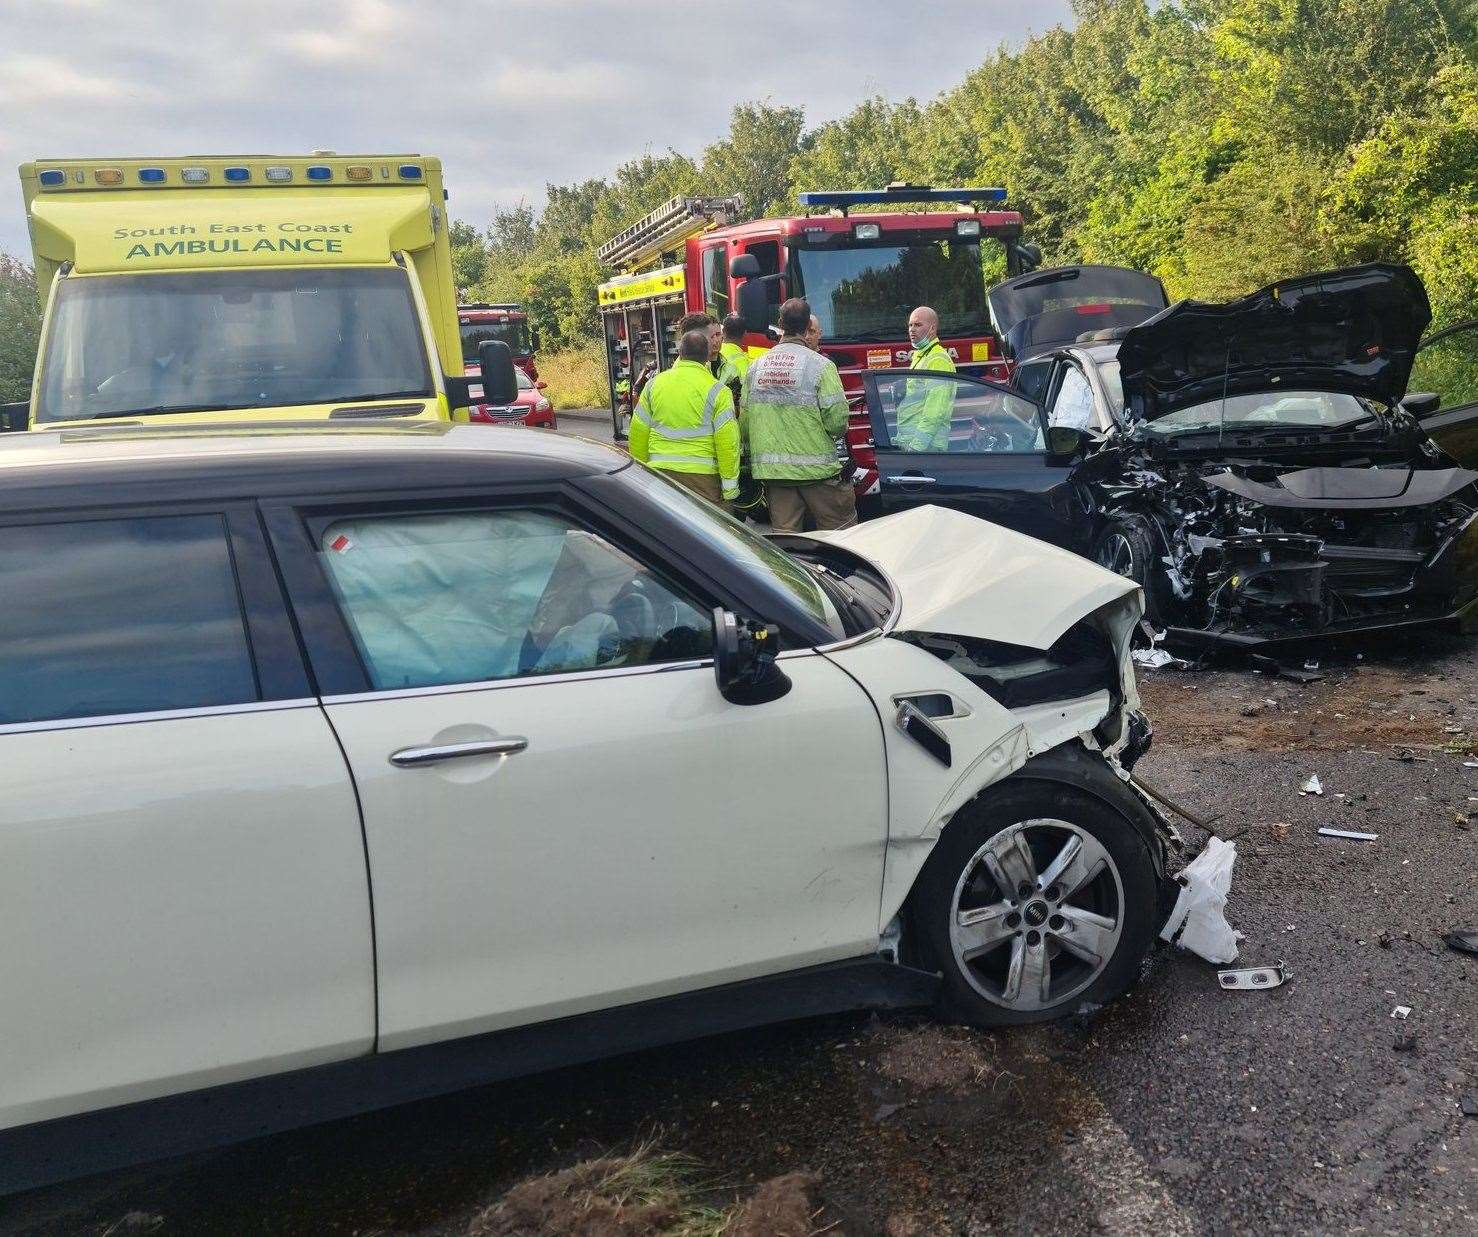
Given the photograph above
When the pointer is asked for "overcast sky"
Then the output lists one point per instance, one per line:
(511, 94)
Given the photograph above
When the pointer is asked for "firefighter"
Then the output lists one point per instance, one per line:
(732, 349)
(684, 424)
(927, 405)
(794, 409)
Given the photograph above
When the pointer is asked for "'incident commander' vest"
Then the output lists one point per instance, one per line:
(794, 411)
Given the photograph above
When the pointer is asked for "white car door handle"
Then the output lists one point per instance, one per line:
(410, 757)
(912, 478)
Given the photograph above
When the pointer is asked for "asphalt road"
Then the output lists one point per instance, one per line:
(1181, 1109)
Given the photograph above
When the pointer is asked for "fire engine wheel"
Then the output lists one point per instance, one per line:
(1037, 901)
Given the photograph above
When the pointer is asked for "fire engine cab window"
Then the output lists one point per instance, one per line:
(514, 333)
(716, 280)
(866, 291)
(197, 341)
(106, 617)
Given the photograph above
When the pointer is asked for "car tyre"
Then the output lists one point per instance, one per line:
(1071, 930)
(1129, 546)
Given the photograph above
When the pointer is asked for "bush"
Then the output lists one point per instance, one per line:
(576, 376)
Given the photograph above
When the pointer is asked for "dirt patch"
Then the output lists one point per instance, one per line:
(598, 1198)
(934, 1058)
(781, 1207)
(1386, 710)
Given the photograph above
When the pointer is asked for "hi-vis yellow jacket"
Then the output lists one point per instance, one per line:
(685, 422)
(928, 405)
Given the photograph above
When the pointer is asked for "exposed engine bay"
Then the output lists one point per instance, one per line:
(1268, 551)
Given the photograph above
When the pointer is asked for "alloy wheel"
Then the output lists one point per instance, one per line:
(1037, 914)
(1117, 555)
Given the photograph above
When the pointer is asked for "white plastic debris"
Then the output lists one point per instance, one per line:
(1312, 785)
(1198, 921)
(1154, 657)
(1401, 1012)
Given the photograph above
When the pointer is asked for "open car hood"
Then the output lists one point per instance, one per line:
(961, 576)
(1042, 310)
(1354, 330)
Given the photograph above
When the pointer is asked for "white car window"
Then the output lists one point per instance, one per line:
(120, 616)
(472, 596)
(1073, 405)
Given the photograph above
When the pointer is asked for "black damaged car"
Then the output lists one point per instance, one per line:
(1257, 465)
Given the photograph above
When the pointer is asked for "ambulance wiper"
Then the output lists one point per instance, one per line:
(165, 409)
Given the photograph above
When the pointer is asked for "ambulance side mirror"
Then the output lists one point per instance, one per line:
(499, 382)
(745, 266)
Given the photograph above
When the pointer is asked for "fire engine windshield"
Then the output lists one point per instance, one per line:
(864, 292)
(514, 333)
(130, 345)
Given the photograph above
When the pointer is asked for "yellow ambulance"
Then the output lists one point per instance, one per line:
(246, 288)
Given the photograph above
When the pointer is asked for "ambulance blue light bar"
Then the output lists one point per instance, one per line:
(52, 177)
(846, 198)
(151, 176)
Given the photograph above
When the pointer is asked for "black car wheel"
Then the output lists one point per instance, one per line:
(1129, 546)
(1039, 899)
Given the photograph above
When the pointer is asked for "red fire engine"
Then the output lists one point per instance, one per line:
(508, 323)
(863, 273)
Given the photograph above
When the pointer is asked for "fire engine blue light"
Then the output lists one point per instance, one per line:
(409, 171)
(237, 174)
(151, 176)
(863, 197)
(52, 177)
(319, 172)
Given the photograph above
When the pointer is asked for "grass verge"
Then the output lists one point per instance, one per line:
(576, 376)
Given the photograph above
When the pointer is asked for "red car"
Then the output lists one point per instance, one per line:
(531, 407)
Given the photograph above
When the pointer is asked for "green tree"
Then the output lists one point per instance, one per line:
(20, 328)
(755, 157)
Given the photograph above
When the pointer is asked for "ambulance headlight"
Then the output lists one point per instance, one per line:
(867, 231)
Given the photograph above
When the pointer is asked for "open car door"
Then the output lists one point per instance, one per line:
(1042, 310)
(956, 441)
(1447, 364)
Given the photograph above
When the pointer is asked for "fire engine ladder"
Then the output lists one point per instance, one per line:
(665, 229)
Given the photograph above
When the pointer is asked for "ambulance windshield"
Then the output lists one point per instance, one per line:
(866, 291)
(131, 345)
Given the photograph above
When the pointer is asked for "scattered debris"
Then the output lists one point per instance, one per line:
(1384, 940)
(1164, 800)
(885, 1111)
(1309, 673)
(1312, 785)
(1250, 978)
(1154, 657)
(1469, 1105)
(1464, 940)
(1353, 835)
(135, 1222)
(1470, 764)
(1280, 830)
(1401, 1013)
(1198, 921)
(1405, 1041)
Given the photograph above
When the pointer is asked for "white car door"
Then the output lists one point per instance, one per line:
(562, 812)
(183, 897)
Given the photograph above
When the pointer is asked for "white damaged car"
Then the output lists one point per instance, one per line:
(352, 764)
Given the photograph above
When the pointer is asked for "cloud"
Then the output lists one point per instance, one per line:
(512, 94)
